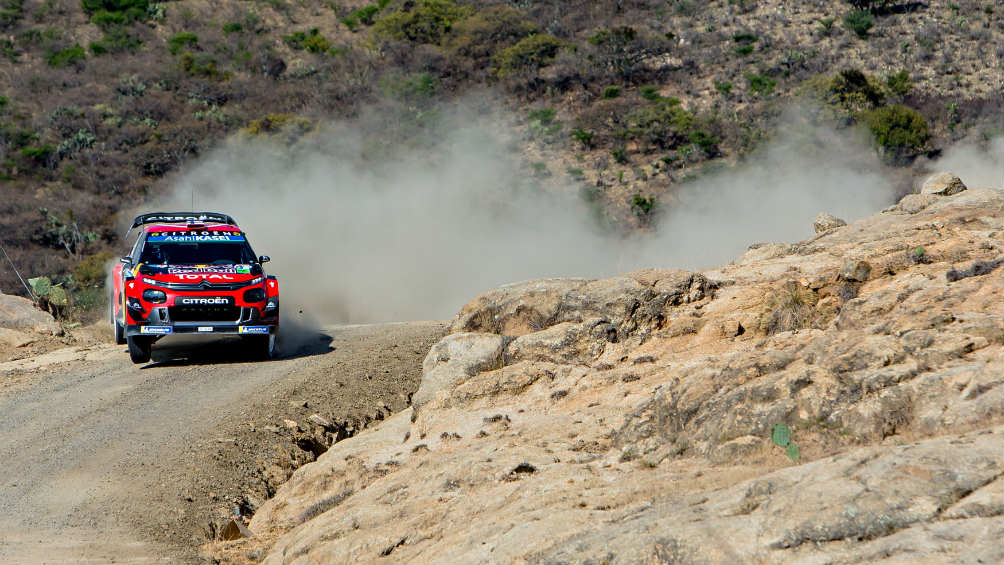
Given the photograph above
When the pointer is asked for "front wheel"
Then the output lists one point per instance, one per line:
(261, 346)
(119, 328)
(139, 348)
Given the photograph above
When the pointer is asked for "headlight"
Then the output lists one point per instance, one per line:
(254, 295)
(147, 280)
(155, 296)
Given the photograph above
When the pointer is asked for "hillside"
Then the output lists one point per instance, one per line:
(834, 399)
(105, 104)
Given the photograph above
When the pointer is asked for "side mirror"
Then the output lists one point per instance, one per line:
(126, 260)
(264, 259)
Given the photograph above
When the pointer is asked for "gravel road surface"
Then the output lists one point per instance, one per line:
(106, 461)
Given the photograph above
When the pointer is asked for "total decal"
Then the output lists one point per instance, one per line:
(206, 276)
(223, 270)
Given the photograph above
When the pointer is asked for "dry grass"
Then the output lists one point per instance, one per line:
(789, 307)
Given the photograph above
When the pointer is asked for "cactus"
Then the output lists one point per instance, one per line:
(40, 286)
(46, 293)
(57, 296)
(780, 435)
(792, 452)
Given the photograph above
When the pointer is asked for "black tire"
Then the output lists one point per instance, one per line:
(139, 348)
(119, 333)
(261, 347)
(119, 329)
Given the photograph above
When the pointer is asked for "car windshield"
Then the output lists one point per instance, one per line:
(197, 253)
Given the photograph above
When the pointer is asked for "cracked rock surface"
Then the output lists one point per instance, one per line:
(630, 419)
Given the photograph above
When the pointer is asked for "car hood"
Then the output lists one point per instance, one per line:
(198, 273)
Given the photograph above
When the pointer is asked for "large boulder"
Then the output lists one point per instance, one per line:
(18, 313)
(824, 222)
(943, 184)
(455, 358)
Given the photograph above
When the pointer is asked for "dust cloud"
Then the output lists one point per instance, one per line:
(975, 165)
(361, 233)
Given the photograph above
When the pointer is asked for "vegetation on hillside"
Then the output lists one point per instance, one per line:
(105, 99)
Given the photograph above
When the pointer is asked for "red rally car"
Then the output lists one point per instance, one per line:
(193, 273)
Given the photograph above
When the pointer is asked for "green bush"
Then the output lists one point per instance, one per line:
(585, 137)
(92, 6)
(426, 21)
(899, 83)
(542, 124)
(66, 57)
(662, 124)
(277, 123)
(488, 31)
(232, 27)
(528, 55)
(542, 115)
(706, 141)
(760, 84)
(90, 271)
(848, 92)
(41, 155)
(859, 21)
(105, 19)
(642, 206)
(8, 50)
(364, 15)
(179, 40)
(744, 50)
(612, 91)
(418, 89)
(201, 64)
(311, 41)
(899, 131)
(724, 88)
(649, 93)
(826, 25)
(116, 40)
(10, 12)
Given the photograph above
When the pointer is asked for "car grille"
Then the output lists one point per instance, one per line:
(216, 313)
(203, 286)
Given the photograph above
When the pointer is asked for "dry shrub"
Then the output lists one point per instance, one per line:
(789, 307)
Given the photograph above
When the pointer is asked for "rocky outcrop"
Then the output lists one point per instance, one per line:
(630, 420)
(824, 222)
(454, 359)
(20, 314)
(942, 184)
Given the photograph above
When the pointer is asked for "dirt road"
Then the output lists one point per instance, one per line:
(103, 460)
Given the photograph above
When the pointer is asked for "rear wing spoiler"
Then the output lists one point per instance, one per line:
(180, 218)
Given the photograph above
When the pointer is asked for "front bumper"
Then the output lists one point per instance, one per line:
(158, 329)
(248, 322)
